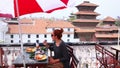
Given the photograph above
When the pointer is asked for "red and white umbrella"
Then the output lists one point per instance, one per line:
(23, 7)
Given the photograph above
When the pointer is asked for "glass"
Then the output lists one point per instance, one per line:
(52, 35)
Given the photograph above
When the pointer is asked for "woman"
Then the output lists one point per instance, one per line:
(61, 56)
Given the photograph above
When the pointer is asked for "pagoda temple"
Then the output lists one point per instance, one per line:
(86, 21)
(108, 31)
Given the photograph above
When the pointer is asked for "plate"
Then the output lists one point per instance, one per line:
(40, 57)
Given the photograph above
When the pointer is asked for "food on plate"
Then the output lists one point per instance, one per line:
(33, 49)
(29, 49)
(32, 54)
(43, 48)
(40, 57)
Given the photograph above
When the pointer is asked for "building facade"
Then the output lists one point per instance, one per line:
(38, 30)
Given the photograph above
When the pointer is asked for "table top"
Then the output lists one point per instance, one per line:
(115, 48)
(27, 60)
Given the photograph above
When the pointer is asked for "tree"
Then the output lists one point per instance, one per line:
(72, 17)
(118, 21)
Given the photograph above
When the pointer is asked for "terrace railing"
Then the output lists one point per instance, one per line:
(8, 53)
(106, 58)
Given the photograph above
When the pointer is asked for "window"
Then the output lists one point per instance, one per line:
(68, 40)
(68, 35)
(19, 41)
(45, 36)
(37, 41)
(28, 41)
(68, 29)
(53, 29)
(11, 41)
(37, 36)
(28, 36)
(11, 36)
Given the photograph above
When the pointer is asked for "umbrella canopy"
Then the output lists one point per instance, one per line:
(23, 7)
(6, 15)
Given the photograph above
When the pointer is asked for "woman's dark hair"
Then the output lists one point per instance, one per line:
(58, 33)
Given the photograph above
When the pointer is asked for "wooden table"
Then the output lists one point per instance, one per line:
(117, 49)
(29, 62)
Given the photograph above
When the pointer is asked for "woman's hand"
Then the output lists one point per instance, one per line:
(52, 61)
(45, 43)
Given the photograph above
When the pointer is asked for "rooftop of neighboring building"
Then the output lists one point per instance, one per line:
(115, 35)
(108, 18)
(87, 13)
(37, 26)
(87, 3)
(106, 27)
(86, 20)
(88, 30)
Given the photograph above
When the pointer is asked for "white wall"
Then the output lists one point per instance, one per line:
(3, 30)
(1, 36)
(41, 38)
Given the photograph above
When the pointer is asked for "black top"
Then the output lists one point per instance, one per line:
(61, 53)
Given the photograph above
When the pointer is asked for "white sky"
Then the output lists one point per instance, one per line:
(106, 8)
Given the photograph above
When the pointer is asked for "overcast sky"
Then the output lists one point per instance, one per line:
(106, 8)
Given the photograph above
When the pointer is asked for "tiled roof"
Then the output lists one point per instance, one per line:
(106, 28)
(87, 3)
(26, 21)
(86, 13)
(34, 28)
(109, 19)
(62, 24)
(37, 26)
(100, 29)
(85, 20)
(106, 35)
(79, 30)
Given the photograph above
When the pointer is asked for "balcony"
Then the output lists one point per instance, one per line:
(85, 54)
(9, 53)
